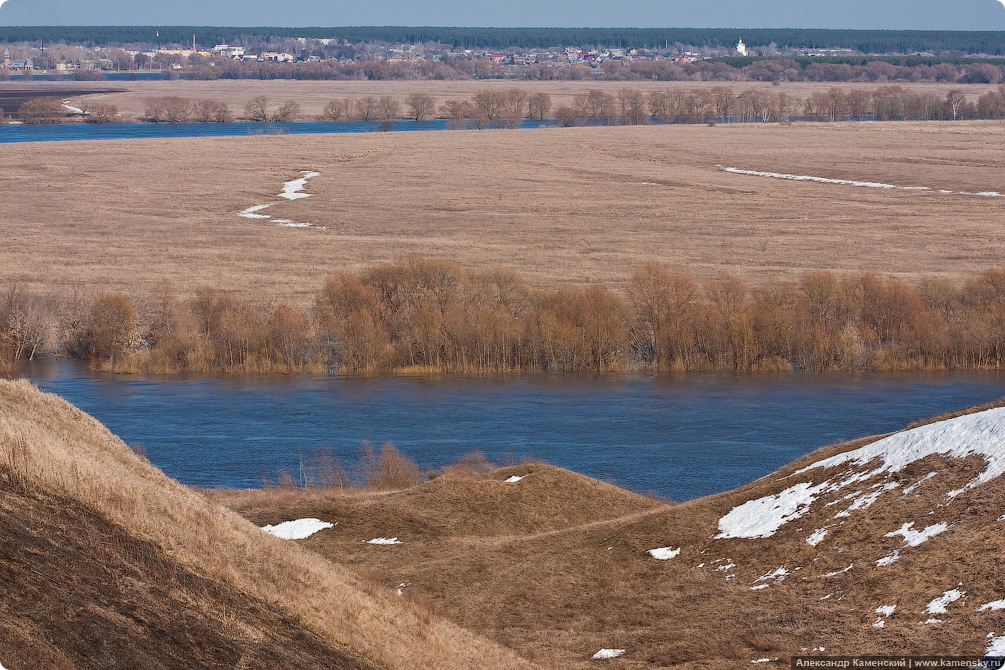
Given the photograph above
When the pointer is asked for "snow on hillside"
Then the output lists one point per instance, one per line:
(297, 529)
(981, 434)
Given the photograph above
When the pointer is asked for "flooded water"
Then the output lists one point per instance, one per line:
(679, 437)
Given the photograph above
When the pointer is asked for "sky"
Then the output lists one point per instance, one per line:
(857, 14)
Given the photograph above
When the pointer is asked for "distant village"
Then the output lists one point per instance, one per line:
(70, 58)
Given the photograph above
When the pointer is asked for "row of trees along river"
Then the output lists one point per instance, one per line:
(435, 316)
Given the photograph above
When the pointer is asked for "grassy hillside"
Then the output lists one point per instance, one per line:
(107, 562)
(557, 566)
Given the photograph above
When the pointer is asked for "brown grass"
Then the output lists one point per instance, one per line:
(578, 205)
(555, 566)
(53, 456)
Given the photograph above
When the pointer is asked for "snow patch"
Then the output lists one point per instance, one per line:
(72, 110)
(993, 605)
(762, 517)
(608, 653)
(514, 479)
(839, 572)
(292, 189)
(298, 529)
(852, 182)
(817, 537)
(290, 224)
(889, 559)
(938, 605)
(912, 538)
(981, 434)
(664, 553)
(778, 574)
(759, 587)
(384, 540)
(930, 621)
(866, 500)
(250, 212)
(997, 647)
(763, 660)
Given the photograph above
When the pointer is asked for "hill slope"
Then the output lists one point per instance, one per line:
(107, 562)
(883, 545)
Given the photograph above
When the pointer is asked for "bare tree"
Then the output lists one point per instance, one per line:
(456, 112)
(538, 105)
(420, 106)
(335, 110)
(205, 111)
(97, 112)
(389, 109)
(287, 112)
(954, 102)
(365, 109)
(40, 110)
(257, 108)
(490, 103)
(566, 116)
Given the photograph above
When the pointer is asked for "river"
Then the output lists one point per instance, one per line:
(16, 133)
(680, 437)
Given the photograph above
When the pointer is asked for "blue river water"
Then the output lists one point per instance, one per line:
(680, 437)
(13, 133)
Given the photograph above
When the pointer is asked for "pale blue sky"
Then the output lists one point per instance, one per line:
(860, 14)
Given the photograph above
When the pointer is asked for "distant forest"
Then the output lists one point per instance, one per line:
(866, 41)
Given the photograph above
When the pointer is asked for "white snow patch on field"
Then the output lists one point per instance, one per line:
(981, 434)
(778, 574)
(912, 538)
(250, 212)
(72, 110)
(664, 553)
(514, 479)
(993, 605)
(817, 537)
(997, 647)
(298, 529)
(762, 517)
(866, 500)
(839, 572)
(938, 605)
(384, 540)
(886, 611)
(889, 559)
(608, 653)
(292, 189)
(852, 182)
(290, 224)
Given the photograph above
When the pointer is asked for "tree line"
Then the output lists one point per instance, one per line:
(494, 108)
(870, 69)
(866, 41)
(431, 315)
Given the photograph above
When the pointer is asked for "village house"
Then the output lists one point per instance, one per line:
(20, 65)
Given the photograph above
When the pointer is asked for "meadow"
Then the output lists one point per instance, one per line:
(561, 206)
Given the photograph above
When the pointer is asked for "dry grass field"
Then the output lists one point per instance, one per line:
(312, 95)
(557, 566)
(575, 205)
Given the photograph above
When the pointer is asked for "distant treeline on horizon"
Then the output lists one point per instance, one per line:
(866, 41)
